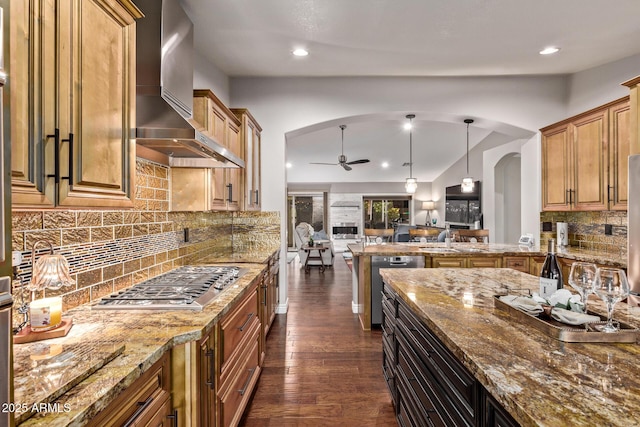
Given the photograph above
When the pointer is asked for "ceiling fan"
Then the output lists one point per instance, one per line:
(342, 159)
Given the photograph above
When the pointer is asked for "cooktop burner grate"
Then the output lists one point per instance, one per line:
(189, 288)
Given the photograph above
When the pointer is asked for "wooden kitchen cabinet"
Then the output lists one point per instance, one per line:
(146, 402)
(206, 375)
(214, 377)
(250, 137)
(72, 92)
(583, 160)
(619, 151)
(466, 262)
(520, 263)
(238, 357)
(221, 124)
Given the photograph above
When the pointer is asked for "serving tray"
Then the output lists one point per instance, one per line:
(569, 333)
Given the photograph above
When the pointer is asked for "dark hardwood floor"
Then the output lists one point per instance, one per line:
(321, 368)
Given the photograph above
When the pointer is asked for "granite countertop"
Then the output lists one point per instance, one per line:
(539, 380)
(146, 336)
(483, 249)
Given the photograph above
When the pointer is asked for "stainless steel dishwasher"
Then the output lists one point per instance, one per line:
(378, 262)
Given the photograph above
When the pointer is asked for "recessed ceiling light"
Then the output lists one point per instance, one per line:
(549, 50)
(288, 165)
(300, 52)
(385, 164)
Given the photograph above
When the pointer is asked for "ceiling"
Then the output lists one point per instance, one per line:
(405, 38)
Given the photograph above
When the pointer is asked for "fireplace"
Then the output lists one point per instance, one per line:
(345, 230)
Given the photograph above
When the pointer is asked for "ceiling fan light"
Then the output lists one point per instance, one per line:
(411, 185)
(467, 185)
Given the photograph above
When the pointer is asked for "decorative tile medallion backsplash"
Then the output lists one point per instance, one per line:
(111, 250)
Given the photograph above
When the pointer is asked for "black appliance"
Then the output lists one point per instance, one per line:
(463, 209)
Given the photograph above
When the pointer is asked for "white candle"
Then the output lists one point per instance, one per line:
(46, 313)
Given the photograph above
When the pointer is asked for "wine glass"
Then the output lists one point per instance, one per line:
(581, 279)
(611, 286)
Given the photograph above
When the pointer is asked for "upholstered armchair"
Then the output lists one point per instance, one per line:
(301, 234)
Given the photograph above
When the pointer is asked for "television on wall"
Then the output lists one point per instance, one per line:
(463, 209)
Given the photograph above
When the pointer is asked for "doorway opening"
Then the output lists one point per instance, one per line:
(310, 208)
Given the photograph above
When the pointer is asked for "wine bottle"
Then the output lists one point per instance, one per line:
(550, 275)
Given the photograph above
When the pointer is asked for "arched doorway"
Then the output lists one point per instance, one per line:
(507, 202)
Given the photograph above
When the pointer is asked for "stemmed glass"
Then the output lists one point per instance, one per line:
(611, 286)
(581, 279)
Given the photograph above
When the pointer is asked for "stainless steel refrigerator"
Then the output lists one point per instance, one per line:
(633, 230)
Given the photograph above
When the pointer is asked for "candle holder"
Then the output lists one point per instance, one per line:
(45, 319)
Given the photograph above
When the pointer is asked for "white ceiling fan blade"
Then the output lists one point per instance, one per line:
(319, 163)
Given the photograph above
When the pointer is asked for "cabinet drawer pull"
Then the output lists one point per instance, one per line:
(70, 174)
(246, 384)
(56, 155)
(174, 418)
(142, 406)
(209, 381)
(241, 328)
(230, 190)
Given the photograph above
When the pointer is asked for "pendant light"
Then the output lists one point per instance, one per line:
(467, 182)
(411, 184)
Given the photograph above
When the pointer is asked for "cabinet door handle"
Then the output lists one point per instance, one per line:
(174, 418)
(230, 190)
(142, 406)
(609, 193)
(70, 175)
(209, 381)
(246, 384)
(257, 198)
(241, 328)
(56, 157)
(264, 300)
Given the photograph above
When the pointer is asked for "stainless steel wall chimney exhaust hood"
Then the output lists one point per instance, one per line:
(164, 90)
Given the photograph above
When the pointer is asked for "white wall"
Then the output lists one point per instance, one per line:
(530, 182)
(597, 86)
(493, 219)
(207, 76)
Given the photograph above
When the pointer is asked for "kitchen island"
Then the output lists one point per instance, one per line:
(463, 255)
(516, 375)
(147, 336)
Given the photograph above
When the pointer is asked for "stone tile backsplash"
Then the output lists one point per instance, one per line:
(587, 230)
(110, 250)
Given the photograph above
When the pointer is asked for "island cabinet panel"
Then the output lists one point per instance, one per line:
(389, 343)
(146, 402)
(466, 262)
(78, 109)
(520, 263)
(495, 415)
(446, 262)
(428, 384)
(453, 384)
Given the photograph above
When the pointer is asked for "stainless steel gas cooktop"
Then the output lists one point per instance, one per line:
(185, 288)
